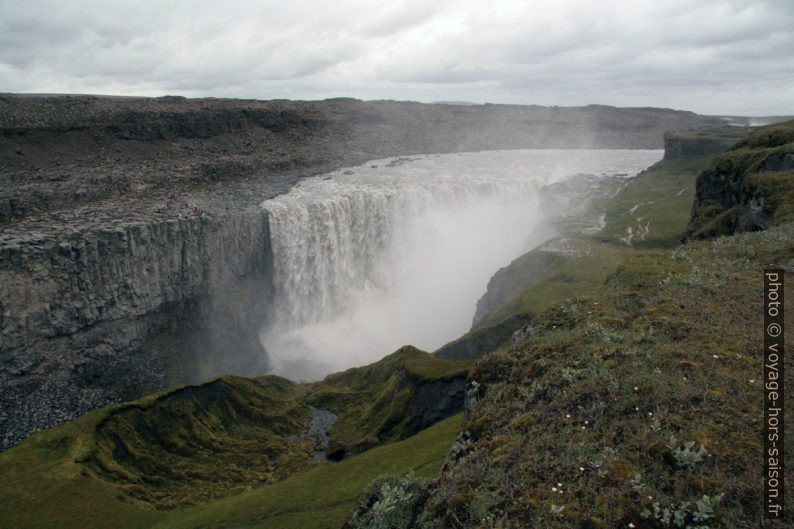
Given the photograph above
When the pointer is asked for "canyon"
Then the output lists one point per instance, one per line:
(135, 255)
(597, 365)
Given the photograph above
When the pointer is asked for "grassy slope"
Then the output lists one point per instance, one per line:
(44, 486)
(664, 194)
(196, 443)
(607, 394)
(374, 403)
(226, 438)
(323, 497)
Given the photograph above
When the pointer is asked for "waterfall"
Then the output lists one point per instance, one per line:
(399, 250)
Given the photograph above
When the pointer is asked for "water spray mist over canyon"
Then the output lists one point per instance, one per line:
(398, 251)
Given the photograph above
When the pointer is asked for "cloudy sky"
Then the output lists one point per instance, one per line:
(710, 56)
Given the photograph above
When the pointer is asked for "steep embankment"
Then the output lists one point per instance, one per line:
(134, 254)
(394, 398)
(230, 437)
(637, 404)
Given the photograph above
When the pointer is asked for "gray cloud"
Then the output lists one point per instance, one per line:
(710, 56)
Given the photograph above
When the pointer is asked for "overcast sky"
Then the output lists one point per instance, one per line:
(713, 57)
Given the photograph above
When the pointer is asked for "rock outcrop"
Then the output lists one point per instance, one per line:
(682, 144)
(749, 187)
(100, 315)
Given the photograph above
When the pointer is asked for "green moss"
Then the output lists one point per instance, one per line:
(198, 442)
(777, 188)
(379, 402)
(483, 340)
(44, 486)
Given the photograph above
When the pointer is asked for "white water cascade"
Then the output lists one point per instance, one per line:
(398, 251)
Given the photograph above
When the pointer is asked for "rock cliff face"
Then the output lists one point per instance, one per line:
(749, 187)
(80, 313)
(684, 144)
(133, 253)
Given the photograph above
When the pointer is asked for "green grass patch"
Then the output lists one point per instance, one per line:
(324, 497)
(655, 205)
(45, 485)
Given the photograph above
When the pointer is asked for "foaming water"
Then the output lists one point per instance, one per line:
(398, 251)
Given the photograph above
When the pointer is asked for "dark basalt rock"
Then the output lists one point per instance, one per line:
(684, 144)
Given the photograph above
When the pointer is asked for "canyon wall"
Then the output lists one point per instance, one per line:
(133, 251)
(97, 316)
(684, 144)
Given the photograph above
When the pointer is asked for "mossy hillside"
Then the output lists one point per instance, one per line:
(522, 273)
(45, 485)
(323, 497)
(643, 396)
(198, 442)
(562, 277)
(389, 400)
(757, 171)
(478, 342)
(194, 444)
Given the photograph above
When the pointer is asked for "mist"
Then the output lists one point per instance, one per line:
(398, 251)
